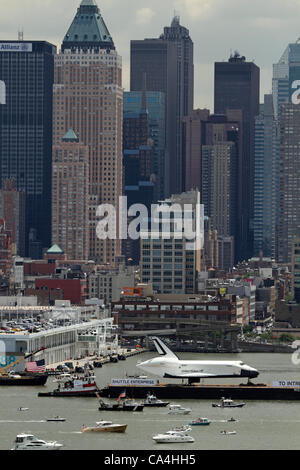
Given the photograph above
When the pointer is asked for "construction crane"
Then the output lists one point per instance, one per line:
(15, 363)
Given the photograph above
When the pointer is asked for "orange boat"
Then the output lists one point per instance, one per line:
(105, 426)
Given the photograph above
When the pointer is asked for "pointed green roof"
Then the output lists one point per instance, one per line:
(88, 29)
(70, 136)
(55, 250)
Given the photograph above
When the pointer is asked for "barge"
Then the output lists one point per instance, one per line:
(24, 379)
(204, 392)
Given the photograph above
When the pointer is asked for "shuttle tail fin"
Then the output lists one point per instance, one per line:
(162, 349)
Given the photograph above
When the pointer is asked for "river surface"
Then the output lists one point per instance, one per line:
(262, 425)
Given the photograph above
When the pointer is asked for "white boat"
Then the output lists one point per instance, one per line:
(173, 437)
(178, 410)
(30, 442)
(228, 433)
(23, 409)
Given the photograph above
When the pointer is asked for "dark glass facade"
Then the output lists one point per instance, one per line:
(27, 70)
(237, 87)
(168, 64)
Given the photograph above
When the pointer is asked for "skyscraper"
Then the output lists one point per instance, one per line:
(138, 167)
(88, 98)
(70, 197)
(265, 175)
(285, 89)
(212, 149)
(286, 73)
(155, 104)
(289, 181)
(237, 87)
(27, 69)
(12, 210)
(168, 64)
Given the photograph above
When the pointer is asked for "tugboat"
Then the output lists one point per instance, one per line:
(154, 402)
(228, 403)
(76, 387)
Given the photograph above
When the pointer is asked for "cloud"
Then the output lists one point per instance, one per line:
(144, 15)
(195, 8)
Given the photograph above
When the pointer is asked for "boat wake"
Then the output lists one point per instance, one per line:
(28, 421)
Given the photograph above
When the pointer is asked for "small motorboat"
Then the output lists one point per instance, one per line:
(23, 409)
(30, 442)
(178, 410)
(56, 419)
(228, 433)
(173, 437)
(153, 401)
(232, 420)
(200, 422)
(228, 403)
(105, 426)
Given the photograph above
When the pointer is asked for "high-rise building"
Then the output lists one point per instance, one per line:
(88, 98)
(289, 181)
(226, 252)
(212, 149)
(12, 210)
(237, 85)
(219, 179)
(286, 76)
(285, 89)
(156, 107)
(138, 168)
(5, 248)
(168, 64)
(193, 137)
(70, 197)
(168, 262)
(296, 269)
(26, 69)
(265, 176)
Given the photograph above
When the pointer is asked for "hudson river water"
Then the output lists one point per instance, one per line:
(262, 425)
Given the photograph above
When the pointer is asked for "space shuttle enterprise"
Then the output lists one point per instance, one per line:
(168, 365)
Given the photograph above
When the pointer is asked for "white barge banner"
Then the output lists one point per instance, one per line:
(133, 382)
(287, 383)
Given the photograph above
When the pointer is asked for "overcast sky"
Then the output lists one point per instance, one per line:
(258, 29)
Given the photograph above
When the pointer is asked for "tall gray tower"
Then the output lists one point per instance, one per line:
(169, 64)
